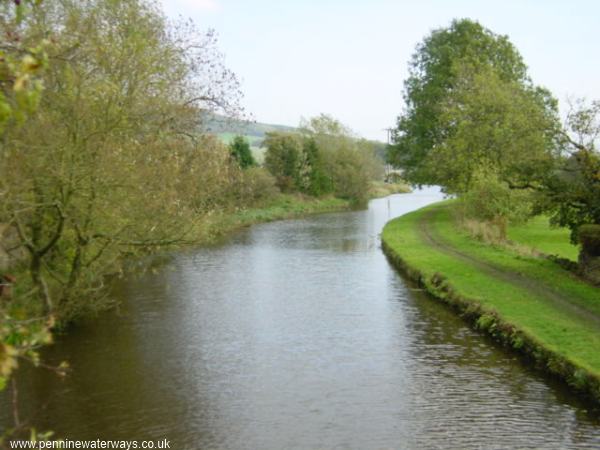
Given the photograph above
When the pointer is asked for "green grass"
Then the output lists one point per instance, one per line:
(539, 269)
(291, 205)
(381, 189)
(227, 137)
(543, 321)
(539, 235)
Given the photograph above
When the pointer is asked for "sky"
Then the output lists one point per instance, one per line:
(349, 58)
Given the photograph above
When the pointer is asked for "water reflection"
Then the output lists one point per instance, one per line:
(298, 335)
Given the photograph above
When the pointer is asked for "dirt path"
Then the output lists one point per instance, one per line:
(533, 286)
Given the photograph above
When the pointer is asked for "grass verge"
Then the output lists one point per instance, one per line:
(539, 235)
(381, 189)
(527, 303)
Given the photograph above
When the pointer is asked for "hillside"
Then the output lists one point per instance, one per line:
(226, 128)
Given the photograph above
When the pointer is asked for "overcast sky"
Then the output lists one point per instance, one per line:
(348, 58)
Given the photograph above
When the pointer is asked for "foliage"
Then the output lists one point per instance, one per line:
(285, 159)
(589, 236)
(319, 182)
(497, 126)
(109, 164)
(433, 75)
(589, 257)
(574, 189)
(380, 189)
(348, 164)
(20, 67)
(240, 151)
(20, 341)
(492, 201)
(324, 157)
(352, 169)
(256, 186)
(474, 117)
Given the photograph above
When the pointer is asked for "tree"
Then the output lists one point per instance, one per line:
(574, 189)
(20, 67)
(319, 183)
(285, 159)
(324, 157)
(500, 126)
(348, 163)
(110, 162)
(490, 205)
(240, 151)
(434, 72)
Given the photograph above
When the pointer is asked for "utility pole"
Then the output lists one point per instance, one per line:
(389, 135)
(386, 167)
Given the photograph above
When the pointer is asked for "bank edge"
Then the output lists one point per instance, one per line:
(485, 319)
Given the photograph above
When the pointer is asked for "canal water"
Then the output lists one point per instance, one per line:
(297, 335)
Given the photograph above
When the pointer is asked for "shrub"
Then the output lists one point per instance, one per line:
(259, 185)
(323, 158)
(240, 151)
(284, 159)
(492, 201)
(589, 237)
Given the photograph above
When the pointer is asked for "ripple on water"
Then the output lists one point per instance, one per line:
(298, 335)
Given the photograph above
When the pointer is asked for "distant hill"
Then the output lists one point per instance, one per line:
(217, 124)
(227, 128)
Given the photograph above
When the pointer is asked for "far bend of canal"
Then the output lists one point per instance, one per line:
(297, 334)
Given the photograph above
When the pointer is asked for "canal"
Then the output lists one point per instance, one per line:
(296, 335)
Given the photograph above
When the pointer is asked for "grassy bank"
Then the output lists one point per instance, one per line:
(539, 235)
(528, 303)
(380, 189)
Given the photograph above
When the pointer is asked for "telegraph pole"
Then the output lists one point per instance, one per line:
(389, 135)
(386, 166)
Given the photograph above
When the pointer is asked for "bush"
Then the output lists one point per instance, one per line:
(589, 237)
(259, 186)
(589, 257)
(493, 202)
(349, 171)
(394, 177)
(240, 151)
(284, 159)
(323, 158)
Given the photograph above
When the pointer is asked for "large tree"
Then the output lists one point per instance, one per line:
(498, 126)
(435, 72)
(109, 161)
